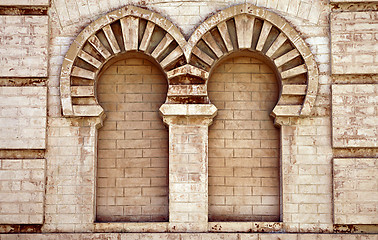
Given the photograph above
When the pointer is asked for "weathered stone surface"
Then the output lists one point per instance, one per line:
(191, 236)
(355, 190)
(354, 115)
(24, 2)
(351, 1)
(22, 188)
(75, 143)
(354, 42)
(23, 46)
(23, 117)
(243, 143)
(132, 170)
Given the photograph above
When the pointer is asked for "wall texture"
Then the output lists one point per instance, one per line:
(85, 93)
(132, 170)
(243, 143)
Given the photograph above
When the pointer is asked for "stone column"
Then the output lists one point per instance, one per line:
(188, 165)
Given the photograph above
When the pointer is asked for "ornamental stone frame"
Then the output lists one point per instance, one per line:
(188, 110)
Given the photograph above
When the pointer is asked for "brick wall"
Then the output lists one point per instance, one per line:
(23, 117)
(188, 184)
(355, 115)
(23, 46)
(307, 175)
(133, 144)
(355, 190)
(22, 187)
(354, 41)
(243, 143)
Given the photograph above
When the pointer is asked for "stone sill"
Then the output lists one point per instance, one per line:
(160, 227)
(131, 227)
(245, 226)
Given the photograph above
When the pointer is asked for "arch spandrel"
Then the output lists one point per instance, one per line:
(188, 64)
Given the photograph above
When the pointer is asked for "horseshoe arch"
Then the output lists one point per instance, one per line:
(258, 30)
(241, 27)
(129, 29)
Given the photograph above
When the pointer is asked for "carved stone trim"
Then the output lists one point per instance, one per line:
(242, 27)
(287, 51)
(99, 42)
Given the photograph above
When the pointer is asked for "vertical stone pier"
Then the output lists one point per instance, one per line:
(188, 165)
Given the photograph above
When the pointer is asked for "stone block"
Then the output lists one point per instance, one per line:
(354, 115)
(23, 202)
(355, 190)
(24, 45)
(353, 42)
(23, 117)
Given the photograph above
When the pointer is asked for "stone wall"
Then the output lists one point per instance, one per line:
(354, 42)
(243, 143)
(22, 184)
(23, 117)
(316, 167)
(355, 190)
(24, 45)
(132, 170)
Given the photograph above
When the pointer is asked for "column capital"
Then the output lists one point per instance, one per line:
(188, 114)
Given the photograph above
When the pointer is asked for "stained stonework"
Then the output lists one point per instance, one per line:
(355, 190)
(27, 38)
(245, 119)
(355, 115)
(354, 42)
(24, 2)
(22, 187)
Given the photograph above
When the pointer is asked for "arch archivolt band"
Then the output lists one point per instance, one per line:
(188, 64)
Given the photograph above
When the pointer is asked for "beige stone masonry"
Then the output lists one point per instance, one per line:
(23, 46)
(355, 190)
(188, 165)
(242, 18)
(192, 236)
(24, 2)
(244, 144)
(306, 175)
(352, 1)
(354, 42)
(23, 117)
(70, 174)
(22, 191)
(132, 162)
(182, 60)
(96, 51)
(355, 115)
(188, 14)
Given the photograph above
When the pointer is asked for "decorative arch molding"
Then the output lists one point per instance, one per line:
(247, 27)
(129, 29)
(188, 64)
